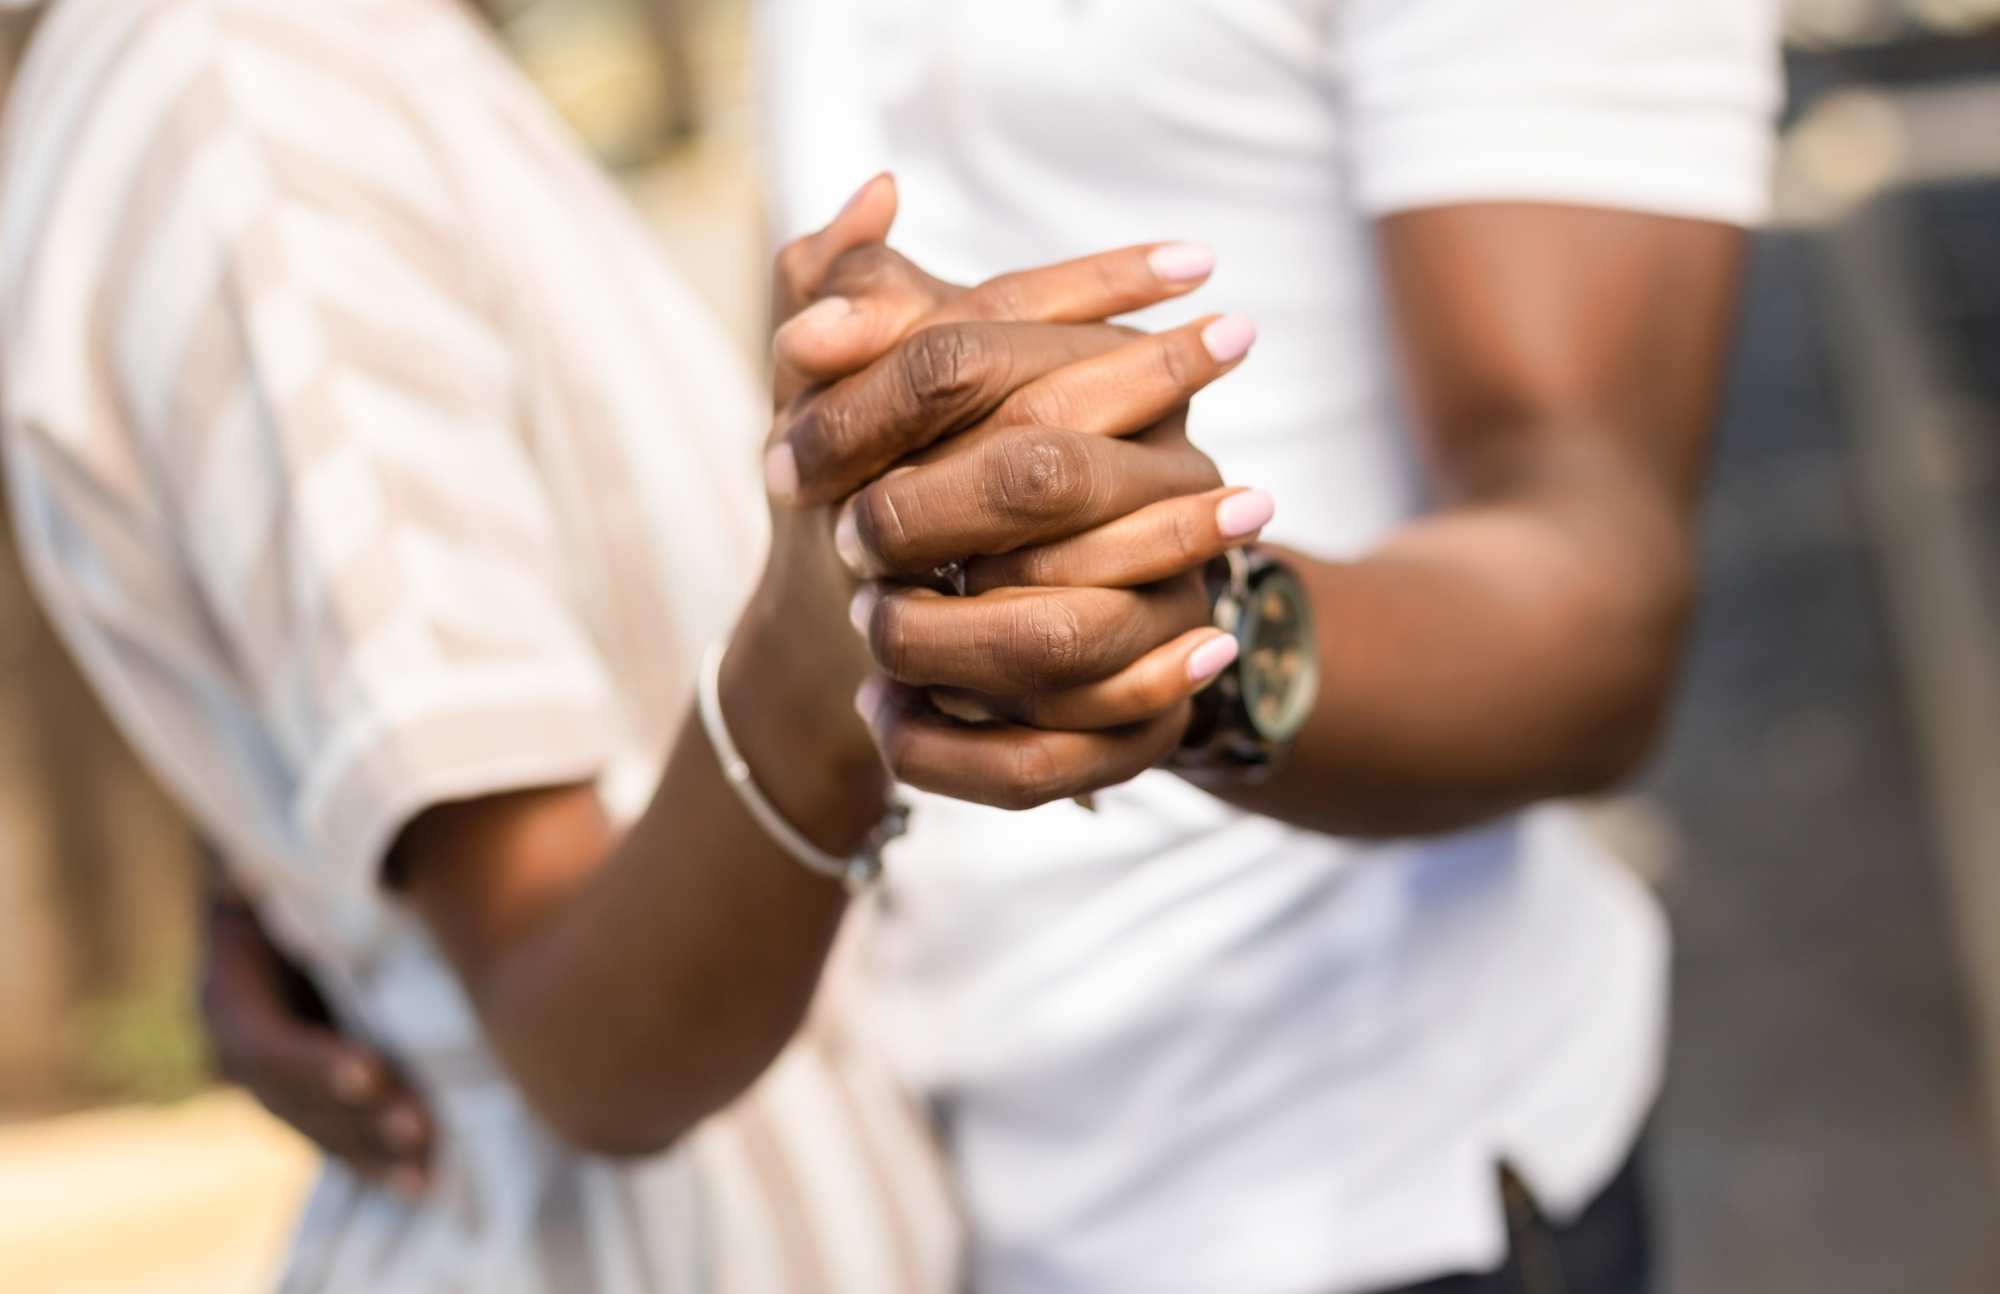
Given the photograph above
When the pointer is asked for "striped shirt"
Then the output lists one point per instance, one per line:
(368, 456)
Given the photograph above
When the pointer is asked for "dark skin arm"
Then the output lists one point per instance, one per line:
(1520, 641)
(633, 984)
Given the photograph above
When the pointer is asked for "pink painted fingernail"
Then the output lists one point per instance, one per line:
(847, 541)
(1245, 513)
(861, 611)
(1229, 338)
(868, 698)
(1182, 262)
(1211, 658)
(781, 473)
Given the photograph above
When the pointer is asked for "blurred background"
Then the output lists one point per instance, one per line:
(1824, 824)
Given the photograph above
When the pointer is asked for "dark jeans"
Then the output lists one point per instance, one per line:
(1606, 1251)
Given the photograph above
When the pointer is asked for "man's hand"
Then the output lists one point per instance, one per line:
(1050, 462)
(272, 1035)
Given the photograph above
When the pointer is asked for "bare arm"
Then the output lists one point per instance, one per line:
(1520, 641)
(633, 985)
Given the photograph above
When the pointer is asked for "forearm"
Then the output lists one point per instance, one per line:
(653, 985)
(1561, 366)
(1481, 660)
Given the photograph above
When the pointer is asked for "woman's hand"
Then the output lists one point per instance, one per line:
(272, 1035)
(1053, 463)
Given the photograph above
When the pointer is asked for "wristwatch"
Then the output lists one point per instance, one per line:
(1247, 719)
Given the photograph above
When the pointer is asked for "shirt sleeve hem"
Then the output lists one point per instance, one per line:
(507, 734)
(1718, 169)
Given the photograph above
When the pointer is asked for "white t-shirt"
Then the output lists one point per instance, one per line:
(1182, 1048)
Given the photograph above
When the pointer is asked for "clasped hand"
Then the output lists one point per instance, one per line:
(1006, 434)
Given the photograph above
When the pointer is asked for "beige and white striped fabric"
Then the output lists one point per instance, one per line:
(368, 456)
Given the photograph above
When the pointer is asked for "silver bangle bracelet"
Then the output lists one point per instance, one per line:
(856, 873)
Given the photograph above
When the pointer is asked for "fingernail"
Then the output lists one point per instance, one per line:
(408, 1182)
(1245, 513)
(352, 1080)
(861, 611)
(402, 1128)
(962, 708)
(859, 194)
(868, 698)
(1229, 338)
(847, 541)
(781, 473)
(1182, 262)
(1212, 657)
(823, 314)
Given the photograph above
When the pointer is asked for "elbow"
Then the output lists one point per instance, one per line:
(612, 1101)
(618, 1134)
(1637, 643)
(1614, 751)
(623, 1118)
(622, 1107)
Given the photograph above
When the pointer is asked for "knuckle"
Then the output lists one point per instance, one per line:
(1038, 476)
(943, 365)
(1002, 298)
(1041, 405)
(1046, 640)
(879, 519)
(1186, 538)
(830, 435)
(1175, 367)
(1034, 776)
(1035, 567)
(864, 269)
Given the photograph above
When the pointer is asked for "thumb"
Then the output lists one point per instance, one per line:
(804, 262)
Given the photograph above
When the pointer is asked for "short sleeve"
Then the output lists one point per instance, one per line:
(304, 348)
(1664, 106)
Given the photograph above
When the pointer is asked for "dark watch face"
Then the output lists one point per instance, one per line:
(1280, 669)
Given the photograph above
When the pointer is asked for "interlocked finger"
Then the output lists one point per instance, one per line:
(933, 384)
(1026, 487)
(1151, 685)
(1007, 766)
(1155, 543)
(1021, 641)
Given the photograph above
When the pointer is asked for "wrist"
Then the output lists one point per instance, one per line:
(787, 692)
